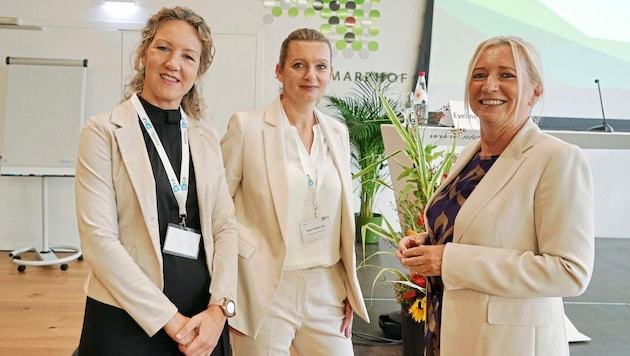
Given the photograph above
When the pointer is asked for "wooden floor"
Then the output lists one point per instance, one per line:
(41, 310)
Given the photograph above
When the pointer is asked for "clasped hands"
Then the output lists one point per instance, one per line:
(425, 260)
(197, 335)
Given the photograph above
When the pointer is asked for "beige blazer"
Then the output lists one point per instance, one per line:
(522, 240)
(117, 216)
(255, 168)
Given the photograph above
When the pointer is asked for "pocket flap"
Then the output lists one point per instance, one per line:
(245, 249)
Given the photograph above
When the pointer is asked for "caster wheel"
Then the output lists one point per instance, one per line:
(21, 268)
(80, 258)
(64, 266)
(10, 254)
(17, 257)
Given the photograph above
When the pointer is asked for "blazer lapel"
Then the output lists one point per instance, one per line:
(273, 141)
(197, 154)
(502, 171)
(132, 149)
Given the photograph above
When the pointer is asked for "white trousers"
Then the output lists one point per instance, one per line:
(304, 318)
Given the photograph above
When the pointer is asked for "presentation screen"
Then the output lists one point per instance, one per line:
(579, 41)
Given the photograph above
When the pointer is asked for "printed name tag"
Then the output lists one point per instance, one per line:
(315, 229)
(181, 241)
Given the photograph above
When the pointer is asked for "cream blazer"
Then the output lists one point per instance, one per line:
(522, 240)
(256, 174)
(117, 216)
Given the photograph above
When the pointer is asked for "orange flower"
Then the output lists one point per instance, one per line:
(412, 288)
(410, 294)
(418, 280)
(420, 220)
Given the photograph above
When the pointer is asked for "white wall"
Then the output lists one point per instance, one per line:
(90, 31)
(20, 197)
(605, 152)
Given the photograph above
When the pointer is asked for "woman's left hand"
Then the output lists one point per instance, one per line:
(208, 325)
(346, 326)
(426, 260)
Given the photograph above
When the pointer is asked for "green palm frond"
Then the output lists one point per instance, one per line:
(424, 167)
(363, 112)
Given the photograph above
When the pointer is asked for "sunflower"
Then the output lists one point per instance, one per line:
(416, 310)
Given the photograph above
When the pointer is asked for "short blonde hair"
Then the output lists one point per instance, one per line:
(302, 34)
(520, 49)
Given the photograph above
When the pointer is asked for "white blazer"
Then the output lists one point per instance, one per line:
(256, 174)
(117, 216)
(522, 240)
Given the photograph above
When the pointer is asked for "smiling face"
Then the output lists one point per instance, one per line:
(306, 72)
(500, 91)
(171, 64)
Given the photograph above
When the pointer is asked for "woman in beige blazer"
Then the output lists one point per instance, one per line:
(288, 169)
(510, 232)
(155, 287)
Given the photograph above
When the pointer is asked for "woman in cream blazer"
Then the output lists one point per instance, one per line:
(253, 155)
(142, 297)
(510, 232)
(255, 151)
(130, 275)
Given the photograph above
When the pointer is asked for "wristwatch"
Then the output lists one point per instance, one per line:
(229, 307)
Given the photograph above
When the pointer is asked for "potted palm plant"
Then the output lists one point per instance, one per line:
(424, 167)
(363, 113)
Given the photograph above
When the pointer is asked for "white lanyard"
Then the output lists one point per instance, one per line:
(313, 186)
(180, 189)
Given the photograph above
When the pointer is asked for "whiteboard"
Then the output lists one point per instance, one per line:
(44, 111)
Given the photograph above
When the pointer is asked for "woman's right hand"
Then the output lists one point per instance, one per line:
(425, 260)
(408, 242)
(174, 325)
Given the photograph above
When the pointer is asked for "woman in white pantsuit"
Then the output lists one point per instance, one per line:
(288, 170)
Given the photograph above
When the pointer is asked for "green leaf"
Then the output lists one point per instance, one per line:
(423, 175)
(363, 112)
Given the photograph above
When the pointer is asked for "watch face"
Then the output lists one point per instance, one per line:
(230, 307)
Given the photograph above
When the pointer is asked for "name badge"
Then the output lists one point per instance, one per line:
(182, 241)
(316, 229)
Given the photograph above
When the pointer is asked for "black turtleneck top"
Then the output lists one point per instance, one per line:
(108, 330)
(186, 281)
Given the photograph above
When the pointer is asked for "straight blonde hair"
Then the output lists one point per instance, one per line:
(521, 49)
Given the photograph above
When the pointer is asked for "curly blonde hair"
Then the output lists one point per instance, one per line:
(192, 103)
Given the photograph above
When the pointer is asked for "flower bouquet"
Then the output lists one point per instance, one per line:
(411, 294)
(424, 167)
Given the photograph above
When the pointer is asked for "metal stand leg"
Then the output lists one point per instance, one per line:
(46, 256)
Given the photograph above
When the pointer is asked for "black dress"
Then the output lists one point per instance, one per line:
(108, 330)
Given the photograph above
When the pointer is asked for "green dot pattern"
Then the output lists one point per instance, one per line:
(350, 25)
